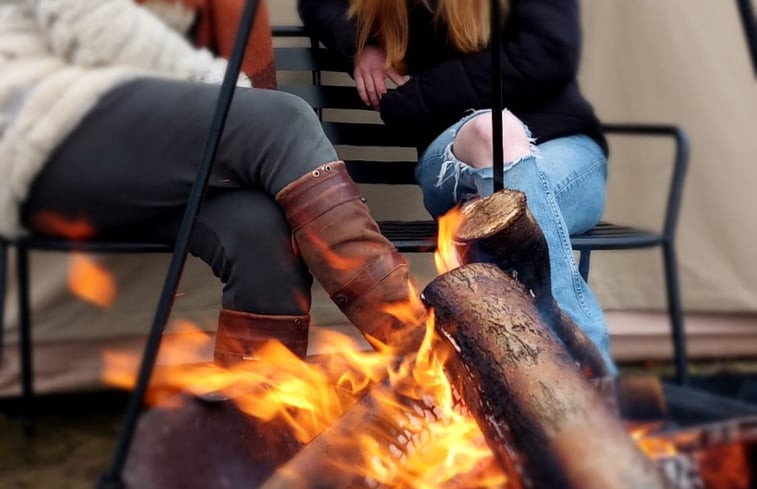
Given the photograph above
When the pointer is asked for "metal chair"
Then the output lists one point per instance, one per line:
(22, 247)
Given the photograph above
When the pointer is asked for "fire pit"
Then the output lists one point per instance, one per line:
(704, 441)
(497, 395)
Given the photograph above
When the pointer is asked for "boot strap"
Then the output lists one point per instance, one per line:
(333, 194)
(317, 192)
(367, 278)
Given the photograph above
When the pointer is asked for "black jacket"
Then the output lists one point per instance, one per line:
(540, 54)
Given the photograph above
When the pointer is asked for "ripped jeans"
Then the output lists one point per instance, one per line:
(564, 183)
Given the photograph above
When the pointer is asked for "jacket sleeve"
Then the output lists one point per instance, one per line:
(540, 51)
(95, 33)
(327, 21)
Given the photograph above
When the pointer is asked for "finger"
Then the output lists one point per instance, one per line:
(360, 84)
(370, 90)
(398, 79)
(378, 82)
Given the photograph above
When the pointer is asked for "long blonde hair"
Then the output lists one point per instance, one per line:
(467, 22)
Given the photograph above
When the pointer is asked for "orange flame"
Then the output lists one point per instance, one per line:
(651, 445)
(76, 228)
(90, 281)
(310, 396)
(446, 257)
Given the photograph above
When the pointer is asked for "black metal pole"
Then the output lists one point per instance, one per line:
(749, 22)
(112, 477)
(496, 47)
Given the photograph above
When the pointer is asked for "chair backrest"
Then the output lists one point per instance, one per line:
(316, 75)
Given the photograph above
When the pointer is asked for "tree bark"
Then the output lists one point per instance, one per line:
(500, 228)
(525, 391)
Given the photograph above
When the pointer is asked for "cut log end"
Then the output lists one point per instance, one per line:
(491, 214)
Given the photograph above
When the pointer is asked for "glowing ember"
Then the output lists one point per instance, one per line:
(727, 467)
(446, 257)
(90, 281)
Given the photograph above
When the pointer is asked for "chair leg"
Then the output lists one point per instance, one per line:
(676, 316)
(583, 263)
(25, 340)
(3, 272)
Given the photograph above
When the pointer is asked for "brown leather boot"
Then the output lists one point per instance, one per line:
(239, 334)
(340, 242)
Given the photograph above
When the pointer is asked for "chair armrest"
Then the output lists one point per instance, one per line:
(680, 163)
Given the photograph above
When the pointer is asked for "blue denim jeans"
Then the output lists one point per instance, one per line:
(564, 182)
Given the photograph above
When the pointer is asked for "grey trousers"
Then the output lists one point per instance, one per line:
(129, 166)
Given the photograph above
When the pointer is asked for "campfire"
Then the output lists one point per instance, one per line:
(504, 392)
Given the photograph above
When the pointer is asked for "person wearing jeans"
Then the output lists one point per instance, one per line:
(437, 55)
(564, 183)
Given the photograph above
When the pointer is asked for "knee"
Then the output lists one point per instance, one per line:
(473, 142)
(258, 230)
(293, 115)
(515, 142)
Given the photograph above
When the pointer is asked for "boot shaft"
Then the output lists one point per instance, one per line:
(339, 240)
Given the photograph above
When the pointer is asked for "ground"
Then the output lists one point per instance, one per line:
(72, 446)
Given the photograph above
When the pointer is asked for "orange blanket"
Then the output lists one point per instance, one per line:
(216, 23)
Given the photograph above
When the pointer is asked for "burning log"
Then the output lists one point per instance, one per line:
(500, 228)
(524, 390)
(332, 460)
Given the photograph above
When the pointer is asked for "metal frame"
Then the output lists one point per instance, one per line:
(749, 23)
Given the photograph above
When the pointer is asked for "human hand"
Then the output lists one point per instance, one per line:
(370, 72)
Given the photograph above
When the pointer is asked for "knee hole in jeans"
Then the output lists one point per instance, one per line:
(473, 142)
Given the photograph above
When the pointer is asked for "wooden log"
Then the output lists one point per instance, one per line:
(333, 459)
(499, 228)
(525, 391)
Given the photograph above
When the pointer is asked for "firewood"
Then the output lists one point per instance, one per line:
(333, 459)
(525, 391)
(501, 229)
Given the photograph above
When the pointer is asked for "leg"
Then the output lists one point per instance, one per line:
(135, 189)
(134, 157)
(359, 268)
(524, 173)
(146, 137)
(245, 239)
